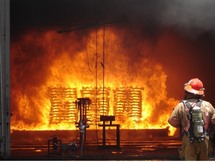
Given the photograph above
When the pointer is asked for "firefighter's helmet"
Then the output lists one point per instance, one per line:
(194, 86)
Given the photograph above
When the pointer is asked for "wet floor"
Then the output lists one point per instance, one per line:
(34, 146)
(147, 150)
(155, 150)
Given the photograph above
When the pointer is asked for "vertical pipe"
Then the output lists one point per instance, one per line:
(96, 67)
(103, 69)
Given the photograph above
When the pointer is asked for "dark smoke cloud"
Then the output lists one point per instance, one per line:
(186, 15)
(189, 16)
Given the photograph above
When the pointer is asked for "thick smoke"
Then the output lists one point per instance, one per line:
(193, 16)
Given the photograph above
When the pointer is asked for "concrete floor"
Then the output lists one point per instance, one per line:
(34, 146)
(154, 150)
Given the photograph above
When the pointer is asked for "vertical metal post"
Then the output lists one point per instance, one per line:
(5, 78)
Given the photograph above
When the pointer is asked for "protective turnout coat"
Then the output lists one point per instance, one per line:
(179, 119)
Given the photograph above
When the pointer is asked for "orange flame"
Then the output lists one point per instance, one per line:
(48, 59)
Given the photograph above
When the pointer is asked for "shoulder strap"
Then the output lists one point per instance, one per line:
(189, 106)
(199, 103)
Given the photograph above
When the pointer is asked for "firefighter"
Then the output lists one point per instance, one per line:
(193, 115)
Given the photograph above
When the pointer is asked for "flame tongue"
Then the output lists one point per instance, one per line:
(50, 71)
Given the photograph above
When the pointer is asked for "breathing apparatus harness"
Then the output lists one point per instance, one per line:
(196, 132)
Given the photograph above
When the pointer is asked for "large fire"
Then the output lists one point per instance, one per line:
(49, 67)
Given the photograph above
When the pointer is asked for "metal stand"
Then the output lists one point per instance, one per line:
(105, 119)
(82, 104)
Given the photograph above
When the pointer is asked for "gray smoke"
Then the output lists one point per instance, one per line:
(191, 15)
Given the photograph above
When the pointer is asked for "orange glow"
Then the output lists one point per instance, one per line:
(44, 60)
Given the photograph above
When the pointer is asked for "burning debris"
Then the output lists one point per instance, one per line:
(126, 101)
(130, 91)
(63, 107)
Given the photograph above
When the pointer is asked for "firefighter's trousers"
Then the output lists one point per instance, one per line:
(195, 150)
